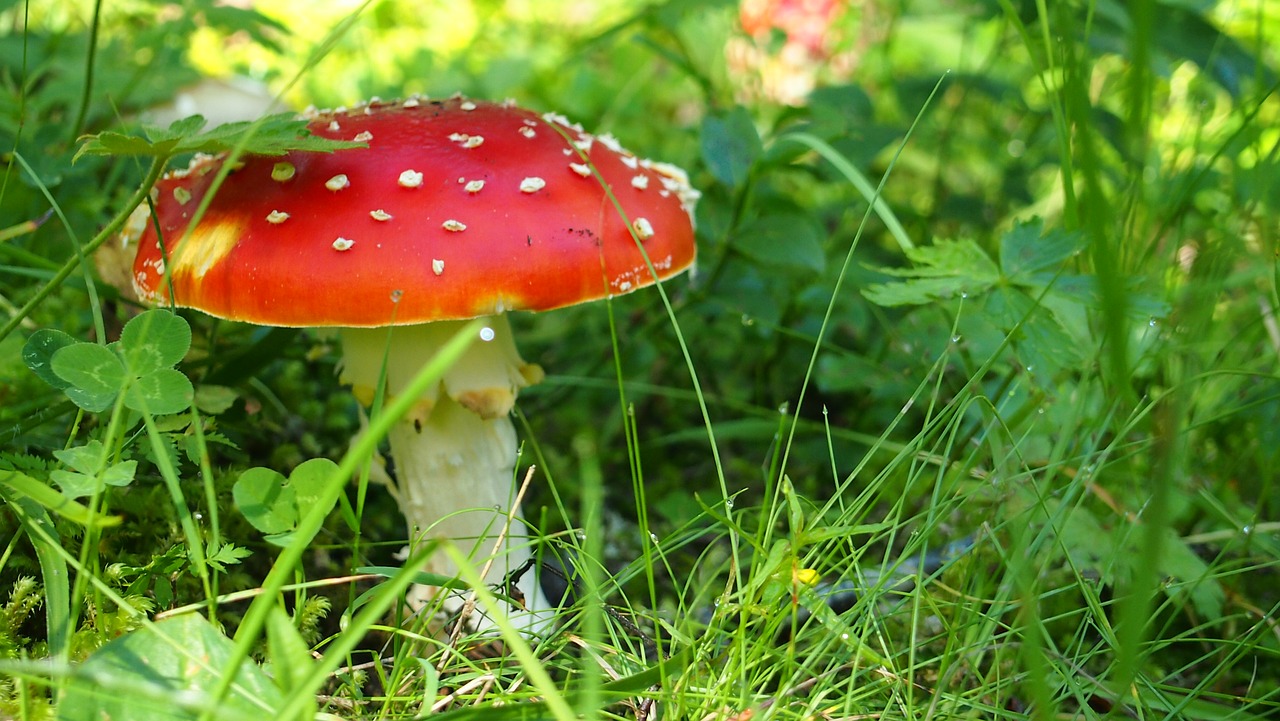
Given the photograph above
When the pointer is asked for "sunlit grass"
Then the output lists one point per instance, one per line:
(997, 541)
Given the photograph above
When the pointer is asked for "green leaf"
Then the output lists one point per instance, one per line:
(38, 352)
(75, 485)
(730, 145)
(290, 656)
(1026, 249)
(266, 499)
(1196, 580)
(1041, 342)
(167, 671)
(89, 458)
(222, 555)
(308, 480)
(214, 399)
(273, 505)
(89, 475)
(95, 375)
(153, 340)
(272, 135)
(944, 270)
(789, 242)
(917, 292)
(161, 392)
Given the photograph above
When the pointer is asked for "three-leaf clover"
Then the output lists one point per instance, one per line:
(90, 471)
(139, 365)
(274, 504)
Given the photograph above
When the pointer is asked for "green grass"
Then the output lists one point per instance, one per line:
(982, 338)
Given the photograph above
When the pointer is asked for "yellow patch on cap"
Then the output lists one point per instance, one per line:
(206, 246)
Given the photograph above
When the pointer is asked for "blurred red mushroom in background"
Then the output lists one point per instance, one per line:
(809, 30)
(804, 22)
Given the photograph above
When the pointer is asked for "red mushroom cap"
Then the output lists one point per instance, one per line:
(456, 209)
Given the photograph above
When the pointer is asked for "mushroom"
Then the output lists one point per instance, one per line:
(456, 209)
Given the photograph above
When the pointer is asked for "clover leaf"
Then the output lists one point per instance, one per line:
(139, 365)
(274, 504)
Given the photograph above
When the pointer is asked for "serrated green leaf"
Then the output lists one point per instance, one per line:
(947, 269)
(177, 130)
(95, 375)
(1027, 249)
(153, 340)
(159, 393)
(272, 135)
(112, 143)
(266, 499)
(730, 145)
(789, 242)
(38, 352)
(1042, 344)
(961, 258)
(222, 555)
(916, 292)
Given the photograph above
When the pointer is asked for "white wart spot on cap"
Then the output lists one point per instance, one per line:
(276, 217)
(437, 266)
(640, 182)
(527, 131)
(532, 185)
(337, 182)
(379, 214)
(453, 226)
(474, 186)
(610, 142)
(363, 137)
(644, 229)
(581, 169)
(182, 195)
(341, 244)
(467, 141)
(410, 179)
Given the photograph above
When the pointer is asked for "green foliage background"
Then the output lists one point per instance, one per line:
(1037, 375)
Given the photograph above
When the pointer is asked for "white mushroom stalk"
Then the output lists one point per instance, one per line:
(455, 452)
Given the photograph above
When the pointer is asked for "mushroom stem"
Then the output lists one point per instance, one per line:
(455, 452)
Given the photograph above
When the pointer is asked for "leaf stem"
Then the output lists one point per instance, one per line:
(153, 174)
